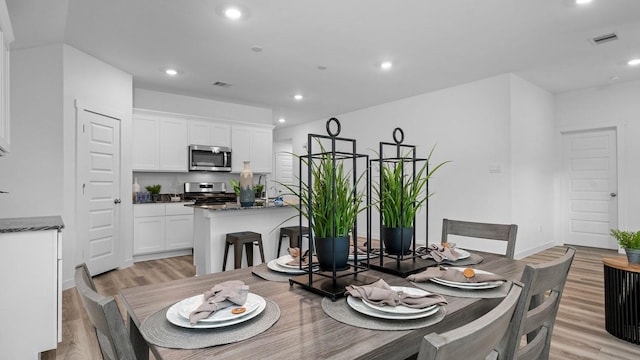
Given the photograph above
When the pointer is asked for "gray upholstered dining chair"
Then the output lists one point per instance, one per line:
(483, 338)
(538, 307)
(483, 231)
(105, 316)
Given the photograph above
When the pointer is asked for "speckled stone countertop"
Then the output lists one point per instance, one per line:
(234, 207)
(37, 223)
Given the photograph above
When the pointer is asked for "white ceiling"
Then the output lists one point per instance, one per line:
(433, 44)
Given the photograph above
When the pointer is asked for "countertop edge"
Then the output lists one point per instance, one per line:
(36, 223)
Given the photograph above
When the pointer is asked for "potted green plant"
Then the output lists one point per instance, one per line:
(154, 190)
(400, 195)
(335, 200)
(630, 242)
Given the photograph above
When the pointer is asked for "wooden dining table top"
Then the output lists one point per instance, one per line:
(303, 330)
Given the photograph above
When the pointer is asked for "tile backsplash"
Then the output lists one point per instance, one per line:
(173, 183)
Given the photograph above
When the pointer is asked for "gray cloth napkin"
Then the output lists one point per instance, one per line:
(219, 297)
(380, 293)
(450, 274)
(295, 253)
(439, 253)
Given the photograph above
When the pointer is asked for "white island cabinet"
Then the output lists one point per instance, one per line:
(31, 281)
(212, 225)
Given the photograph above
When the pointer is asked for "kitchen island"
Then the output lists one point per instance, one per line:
(213, 222)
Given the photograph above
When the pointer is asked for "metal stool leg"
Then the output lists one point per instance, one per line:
(259, 243)
(237, 254)
(226, 253)
(249, 249)
(280, 242)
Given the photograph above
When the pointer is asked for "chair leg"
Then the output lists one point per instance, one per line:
(237, 255)
(226, 253)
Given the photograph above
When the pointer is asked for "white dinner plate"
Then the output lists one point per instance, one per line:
(463, 254)
(359, 306)
(401, 309)
(273, 265)
(186, 306)
(284, 260)
(467, 285)
(176, 319)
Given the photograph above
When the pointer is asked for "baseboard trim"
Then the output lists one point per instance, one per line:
(161, 255)
(535, 250)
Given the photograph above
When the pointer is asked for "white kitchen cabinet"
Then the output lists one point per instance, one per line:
(30, 306)
(159, 143)
(162, 227)
(6, 37)
(254, 144)
(203, 132)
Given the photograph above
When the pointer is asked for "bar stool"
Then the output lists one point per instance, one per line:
(238, 239)
(294, 235)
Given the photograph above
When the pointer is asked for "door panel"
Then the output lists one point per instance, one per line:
(590, 166)
(99, 179)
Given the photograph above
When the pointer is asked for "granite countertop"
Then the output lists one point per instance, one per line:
(165, 202)
(37, 223)
(231, 207)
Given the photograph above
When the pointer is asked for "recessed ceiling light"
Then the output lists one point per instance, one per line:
(386, 65)
(614, 77)
(298, 96)
(281, 120)
(171, 72)
(256, 48)
(233, 13)
(322, 67)
(633, 62)
(582, 2)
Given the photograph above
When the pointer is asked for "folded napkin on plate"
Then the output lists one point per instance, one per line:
(380, 293)
(295, 254)
(219, 297)
(451, 274)
(439, 253)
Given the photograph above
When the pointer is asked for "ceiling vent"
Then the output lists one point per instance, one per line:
(604, 38)
(221, 84)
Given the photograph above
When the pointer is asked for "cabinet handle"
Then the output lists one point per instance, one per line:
(116, 201)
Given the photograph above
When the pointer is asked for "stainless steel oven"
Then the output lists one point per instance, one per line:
(209, 158)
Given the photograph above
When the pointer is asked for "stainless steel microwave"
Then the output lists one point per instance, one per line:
(209, 158)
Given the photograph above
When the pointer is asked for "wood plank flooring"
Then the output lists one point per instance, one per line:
(579, 331)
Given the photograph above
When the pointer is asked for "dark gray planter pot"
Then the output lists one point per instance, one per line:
(633, 256)
(397, 241)
(330, 249)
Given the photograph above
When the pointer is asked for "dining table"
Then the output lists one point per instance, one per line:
(303, 329)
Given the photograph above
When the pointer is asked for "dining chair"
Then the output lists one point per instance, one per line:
(483, 338)
(103, 312)
(483, 231)
(538, 307)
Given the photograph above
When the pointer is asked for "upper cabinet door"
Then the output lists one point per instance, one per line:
(203, 132)
(252, 144)
(173, 145)
(146, 137)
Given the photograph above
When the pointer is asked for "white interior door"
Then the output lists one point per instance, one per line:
(99, 190)
(590, 202)
(283, 165)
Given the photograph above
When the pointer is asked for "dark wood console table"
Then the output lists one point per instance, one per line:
(622, 298)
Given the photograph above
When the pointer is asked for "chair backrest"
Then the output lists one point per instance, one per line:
(482, 230)
(482, 338)
(105, 316)
(538, 307)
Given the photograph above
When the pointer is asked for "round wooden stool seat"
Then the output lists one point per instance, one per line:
(238, 239)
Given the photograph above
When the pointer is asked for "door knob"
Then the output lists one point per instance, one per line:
(614, 194)
(116, 201)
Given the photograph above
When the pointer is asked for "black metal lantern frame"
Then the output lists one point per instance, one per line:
(398, 154)
(332, 283)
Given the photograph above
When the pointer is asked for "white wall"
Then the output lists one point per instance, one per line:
(32, 172)
(618, 106)
(472, 125)
(160, 101)
(532, 166)
(100, 86)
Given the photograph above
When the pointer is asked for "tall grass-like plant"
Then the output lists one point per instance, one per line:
(400, 195)
(334, 198)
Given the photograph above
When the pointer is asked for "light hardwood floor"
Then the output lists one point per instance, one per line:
(579, 331)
